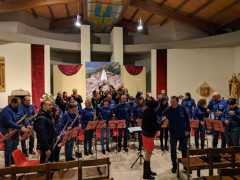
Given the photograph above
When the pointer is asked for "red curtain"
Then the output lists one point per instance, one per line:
(69, 70)
(38, 85)
(134, 70)
(161, 70)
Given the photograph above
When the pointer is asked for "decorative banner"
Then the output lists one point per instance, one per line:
(134, 70)
(69, 70)
(101, 74)
(2, 74)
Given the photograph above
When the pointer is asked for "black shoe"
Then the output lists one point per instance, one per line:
(174, 170)
(162, 148)
(90, 152)
(146, 171)
(25, 154)
(103, 151)
(108, 150)
(71, 159)
(119, 149)
(32, 152)
(86, 153)
(150, 171)
(166, 148)
(126, 149)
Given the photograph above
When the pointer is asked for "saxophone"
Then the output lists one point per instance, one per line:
(10, 130)
(30, 118)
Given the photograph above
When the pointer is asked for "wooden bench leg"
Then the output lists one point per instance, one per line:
(199, 173)
(188, 174)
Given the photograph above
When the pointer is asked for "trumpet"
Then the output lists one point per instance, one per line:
(10, 130)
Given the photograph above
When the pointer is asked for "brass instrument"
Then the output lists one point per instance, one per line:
(30, 118)
(10, 130)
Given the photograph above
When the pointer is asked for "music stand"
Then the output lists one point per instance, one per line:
(218, 125)
(194, 123)
(209, 123)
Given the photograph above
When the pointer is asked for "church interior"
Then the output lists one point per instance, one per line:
(82, 57)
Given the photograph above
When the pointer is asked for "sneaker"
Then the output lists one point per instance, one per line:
(108, 150)
(103, 151)
(32, 152)
(90, 152)
(126, 149)
(86, 153)
(174, 170)
(119, 149)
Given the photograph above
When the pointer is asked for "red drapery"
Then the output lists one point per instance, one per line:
(38, 85)
(134, 70)
(69, 70)
(161, 70)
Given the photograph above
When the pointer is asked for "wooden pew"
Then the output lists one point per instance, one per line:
(194, 162)
(225, 174)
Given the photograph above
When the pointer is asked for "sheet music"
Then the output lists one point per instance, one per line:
(134, 129)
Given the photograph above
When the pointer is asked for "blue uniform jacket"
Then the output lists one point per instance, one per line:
(60, 111)
(210, 105)
(234, 120)
(58, 124)
(190, 103)
(86, 116)
(29, 110)
(79, 108)
(105, 114)
(178, 119)
(133, 106)
(199, 113)
(11, 116)
(67, 117)
(138, 112)
(219, 106)
(123, 112)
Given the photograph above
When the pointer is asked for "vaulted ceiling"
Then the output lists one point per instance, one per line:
(103, 15)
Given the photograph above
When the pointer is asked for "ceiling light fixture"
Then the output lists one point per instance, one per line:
(140, 26)
(78, 22)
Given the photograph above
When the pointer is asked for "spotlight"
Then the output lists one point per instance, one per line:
(78, 23)
(140, 26)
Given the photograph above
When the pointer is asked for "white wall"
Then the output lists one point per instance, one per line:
(187, 69)
(237, 59)
(18, 69)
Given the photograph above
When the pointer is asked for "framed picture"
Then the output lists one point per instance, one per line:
(2, 74)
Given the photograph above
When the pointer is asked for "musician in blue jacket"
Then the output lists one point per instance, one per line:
(219, 105)
(199, 113)
(138, 114)
(105, 113)
(133, 106)
(190, 103)
(179, 128)
(27, 108)
(10, 115)
(123, 112)
(58, 124)
(70, 120)
(88, 114)
(72, 101)
(231, 119)
(111, 103)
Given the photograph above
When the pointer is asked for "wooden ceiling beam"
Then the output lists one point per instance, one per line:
(153, 7)
(201, 7)
(148, 19)
(62, 23)
(51, 12)
(135, 13)
(66, 6)
(234, 25)
(34, 13)
(164, 22)
(85, 11)
(18, 5)
(223, 10)
(164, 1)
(133, 27)
(181, 5)
(127, 2)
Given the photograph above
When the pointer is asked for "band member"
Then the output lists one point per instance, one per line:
(163, 92)
(231, 120)
(58, 124)
(77, 97)
(199, 113)
(60, 101)
(105, 113)
(210, 106)
(10, 115)
(149, 128)
(27, 108)
(138, 114)
(123, 113)
(69, 120)
(111, 103)
(149, 97)
(163, 131)
(101, 92)
(190, 102)
(60, 110)
(45, 130)
(139, 93)
(88, 114)
(133, 106)
(159, 97)
(219, 105)
(72, 101)
(65, 96)
(179, 128)
(96, 100)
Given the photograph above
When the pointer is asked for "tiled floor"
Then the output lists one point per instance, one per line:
(120, 168)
